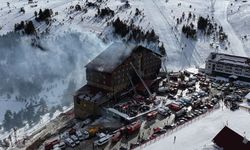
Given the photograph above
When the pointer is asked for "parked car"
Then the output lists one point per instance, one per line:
(123, 148)
(69, 142)
(134, 145)
(79, 135)
(75, 139)
(152, 115)
(59, 146)
(55, 147)
(50, 145)
(175, 107)
(167, 127)
(209, 106)
(234, 106)
(198, 111)
(144, 108)
(100, 135)
(188, 117)
(103, 140)
(86, 122)
(117, 136)
(133, 127)
(85, 134)
(164, 111)
(62, 145)
(180, 122)
(159, 131)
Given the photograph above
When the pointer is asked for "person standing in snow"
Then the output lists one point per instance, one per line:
(174, 139)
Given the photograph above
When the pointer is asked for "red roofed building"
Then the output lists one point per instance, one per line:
(227, 139)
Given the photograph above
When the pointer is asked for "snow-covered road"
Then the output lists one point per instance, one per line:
(220, 14)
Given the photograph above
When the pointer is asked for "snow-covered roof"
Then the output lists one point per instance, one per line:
(229, 59)
(113, 56)
(110, 58)
(247, 96)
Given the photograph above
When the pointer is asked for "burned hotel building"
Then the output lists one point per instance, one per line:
(111, 73)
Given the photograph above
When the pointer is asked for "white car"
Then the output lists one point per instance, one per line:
(85, 134)
(75, 139)
(70, 142)
(101, 135)
(79, 135)
(62, 145)
(103, 140)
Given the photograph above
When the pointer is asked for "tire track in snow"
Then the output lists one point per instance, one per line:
(167, 36)
(198, 59)
(195, 58)
(220, 15)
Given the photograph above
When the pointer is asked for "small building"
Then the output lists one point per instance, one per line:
(228, 65)
(227, 139)
(247, 97)
(112, 72)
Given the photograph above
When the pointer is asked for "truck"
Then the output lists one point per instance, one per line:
(152, 115)
(133, 127)
(49, 145)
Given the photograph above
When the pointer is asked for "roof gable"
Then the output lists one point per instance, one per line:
(230, 140)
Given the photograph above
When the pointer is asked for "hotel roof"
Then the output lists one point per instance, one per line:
(113, 56)
(229, 59)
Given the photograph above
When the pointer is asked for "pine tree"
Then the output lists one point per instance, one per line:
(30, 29)
(202, 23)
(7, 120)
(40, 13)
(35, 13)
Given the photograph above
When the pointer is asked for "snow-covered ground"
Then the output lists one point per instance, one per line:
(53, 74)
(239, 18)
(10, 105)
(198, 135)
(31, 74)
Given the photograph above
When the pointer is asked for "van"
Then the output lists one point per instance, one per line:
(79, 135)
(75, 139)
(70, 142)
(62, 145)
(103, 140)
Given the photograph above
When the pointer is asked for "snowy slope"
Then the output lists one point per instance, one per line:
(239, 18)
(160, 15)
(54, 74)
(198, 135)
(74, 38)
(220, 14)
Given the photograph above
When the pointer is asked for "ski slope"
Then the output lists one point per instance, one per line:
(74, 38)
(220, 14)
(167, 35)
(239, 18)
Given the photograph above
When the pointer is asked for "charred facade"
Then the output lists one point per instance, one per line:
(112, 72)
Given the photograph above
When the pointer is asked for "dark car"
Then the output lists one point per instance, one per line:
(168, 127)
(234, 107)
(134, 145)
(159, 131)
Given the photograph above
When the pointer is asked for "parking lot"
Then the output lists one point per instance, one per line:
(180, 98)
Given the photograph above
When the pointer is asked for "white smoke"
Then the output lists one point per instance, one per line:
(32, 73)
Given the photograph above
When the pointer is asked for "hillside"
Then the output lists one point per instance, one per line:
(49, 65)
